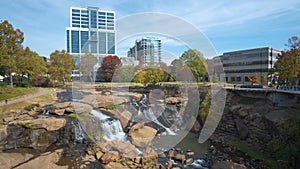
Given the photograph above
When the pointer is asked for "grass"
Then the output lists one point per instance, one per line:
(112, 106)
(31, 106)
(247, 101)
(73, 116)
(9, 92)
(5, 111)
(254, 153)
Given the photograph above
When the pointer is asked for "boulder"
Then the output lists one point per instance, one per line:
(59, 112)
(180, 157)
(125, 149)
(234, 108)
(149, 154)
(242, 129)
(115, 165)
(48, 123)
(82, 107)
(63, 105)
(99, 154)
(3, 133)
(142, 135)
(110, 156)
(277, 116)
(46, 161)
(243, 112)
(9, 160)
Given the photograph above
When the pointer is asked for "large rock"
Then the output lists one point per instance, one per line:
(242, 129)
(149, 154)
(110, 156)
(228, 164)
(59, 112)
(277, 116)
(48, 123)
(125, 149)
(123, 117)
(142, 135)
(9, 160)
(45, 161)
(63, 105)
(3, 133)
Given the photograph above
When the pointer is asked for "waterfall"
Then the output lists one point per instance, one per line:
(111, 128)
(78, 132)
(147, 114)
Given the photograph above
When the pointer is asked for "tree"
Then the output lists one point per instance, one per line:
(149, 75)
(32, 65)
(288, 63)
(264, 79)
(196, 63)
(10, 45)
(86, 65)
(109, 68)
(126, 74)
(61, 66)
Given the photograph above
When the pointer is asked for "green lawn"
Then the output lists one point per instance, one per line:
(8, 92)
(255, 153)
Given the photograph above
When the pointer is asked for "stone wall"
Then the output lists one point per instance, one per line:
(252, 120)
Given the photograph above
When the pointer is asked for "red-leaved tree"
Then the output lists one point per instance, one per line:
(109, 68)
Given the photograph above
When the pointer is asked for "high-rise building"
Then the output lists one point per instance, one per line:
(91, 31)
(147, 51)
(240, 66)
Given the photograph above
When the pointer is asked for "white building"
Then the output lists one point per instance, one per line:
(91, 31)
(241, 65)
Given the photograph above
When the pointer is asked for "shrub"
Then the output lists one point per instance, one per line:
(73, 116)
(31, 106)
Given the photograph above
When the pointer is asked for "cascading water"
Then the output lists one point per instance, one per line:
(111, 128)
(79, 133)
(146, 113)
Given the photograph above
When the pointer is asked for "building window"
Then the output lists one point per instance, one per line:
(75, 41)
(102, 42)
(84, 42)
(111, 43)
(68, 41)
(93, 19)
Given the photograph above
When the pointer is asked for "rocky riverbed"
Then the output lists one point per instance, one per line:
(53, 136)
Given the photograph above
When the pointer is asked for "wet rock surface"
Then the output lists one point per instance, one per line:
(58, 142)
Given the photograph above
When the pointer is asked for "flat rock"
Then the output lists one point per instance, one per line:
(9, 160)
(142, 135)
(45, 161)
(125, 149)
(48, 123)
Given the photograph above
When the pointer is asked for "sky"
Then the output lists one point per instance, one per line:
(222, 25)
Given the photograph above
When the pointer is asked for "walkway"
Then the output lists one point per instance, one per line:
(40, 92)
(295, 92)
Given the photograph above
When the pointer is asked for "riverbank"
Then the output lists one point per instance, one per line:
(52, 133)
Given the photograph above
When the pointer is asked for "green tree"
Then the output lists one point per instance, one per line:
(86, 65)
(196, 63)
(10, 45)
(126, 74)
(149, 75)
(31, 64)
(61, 66)
(288, 63)
(264, 79)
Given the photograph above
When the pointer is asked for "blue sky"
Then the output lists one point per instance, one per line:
(228, 25)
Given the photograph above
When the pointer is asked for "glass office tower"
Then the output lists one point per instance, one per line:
(91, 31)
(147, 50)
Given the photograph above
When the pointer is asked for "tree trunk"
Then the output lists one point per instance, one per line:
(11, 80)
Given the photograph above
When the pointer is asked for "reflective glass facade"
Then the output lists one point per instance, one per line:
(91, 31)
(146, 50)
